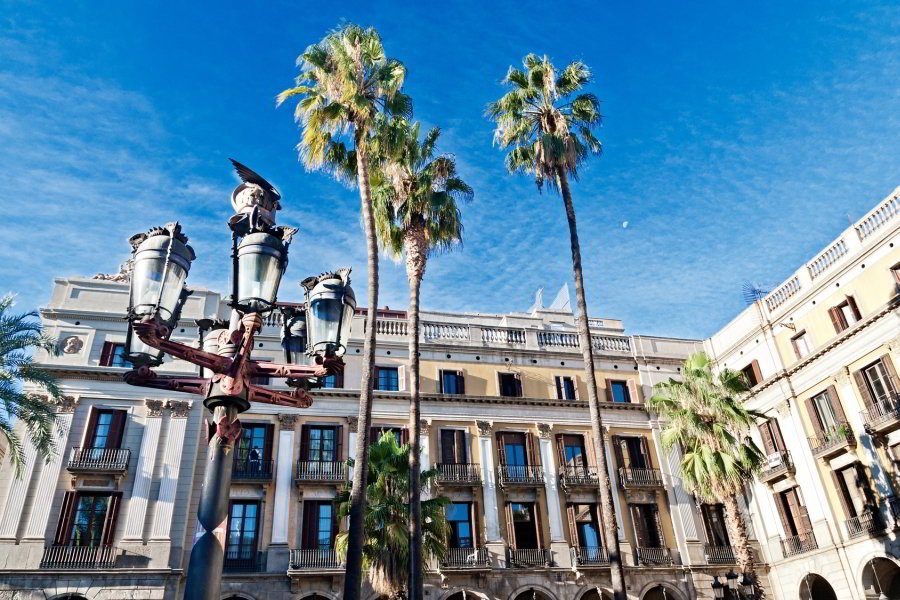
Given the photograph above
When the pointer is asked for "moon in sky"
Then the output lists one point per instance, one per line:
(624, 224)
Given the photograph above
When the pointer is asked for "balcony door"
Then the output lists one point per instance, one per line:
(714, 524)
(453, 447)
(632, 452)
(793, 513)
(877, 382)
(253, 450)
(853, 489)
(647, 526)
(459, 518)
(320, 525)
(584, 525)
(516, 453)
(825, 412)
(773, 443)
(522, 526)
(87, 519)
(243, 529)
(104, 432)
(321, 444)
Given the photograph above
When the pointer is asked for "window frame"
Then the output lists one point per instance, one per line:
(517, 377)
(460, 377)
(256, 531)
(559, 386)
(627, 392)
(802, 335)
(468, 521)
(398, 370)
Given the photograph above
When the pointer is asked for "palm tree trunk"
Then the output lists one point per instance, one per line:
(737, 532)
(353, 570)
(607, 509)
(415, 268)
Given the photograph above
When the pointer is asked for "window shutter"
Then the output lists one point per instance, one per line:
(401, 378)
(460, 383)
(91, 428)
(304, 443)
(853, 307)
(476, 529)
(862, 480)
(794, 506)
(836, 404)
(459, 447)
(335, 524)
(106, 354)
(617, 448)
(561, 450)
(530, 454)
(591, 451)
(267, 448)
(805, 523)
(640, 526)
(573, 526)
(308, 535)
(510, 529)
(598, 521)
(339, 380)
(813, 417)
(892, 373)
(842, 496)
(707, 523)
(757, 374)
(608, 384)
(519, 393)
(863, 387)
(374, 434)
(338, 446)
(575, 387)
(645, 453)
(501, 449)
(837, 319)
(116, 428)
(112, 516)
(794, 346)
(633, 392)
(657, 521)
(404, 435)
(538, 526)
(779, 504)
(766, 438)
(440, 381)
(776, 434)
(64, 523)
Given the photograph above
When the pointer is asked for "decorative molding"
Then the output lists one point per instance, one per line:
(287, 421)
(424, 428)
(783, 409)
(544, 430)
(154, 407)
(352, 424)
(484, 428)
(842, 377)
(180, 408)
(65, 404)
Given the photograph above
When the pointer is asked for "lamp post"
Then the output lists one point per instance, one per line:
(718, 588)
(745, 589)
(162, 260)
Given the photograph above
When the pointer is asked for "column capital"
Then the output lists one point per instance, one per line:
(65, 404)
(842, 377)
(179, 408)
(544, 430)
(287, 421)
(154, 407)
(425, 427)
(353, 424)
(485, 428)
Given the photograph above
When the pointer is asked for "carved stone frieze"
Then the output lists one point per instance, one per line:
(180, 408)
(154, 407)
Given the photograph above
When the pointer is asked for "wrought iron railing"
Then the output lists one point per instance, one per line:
(572, 475)
(719, 555)
(78, 557)
(798, 544)
(312, 470)
(834, 438)
(882, 411)
(527, 557)
(314, 559)
(99, 459)
(244, 561)
(458, 473)
(779, 463)
(589, 556)
(654, 556)
(521, 474)
(640, 477)
(460, 558)
(865, 523)
(252, 468)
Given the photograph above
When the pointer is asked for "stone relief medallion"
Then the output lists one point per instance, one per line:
(72, 344)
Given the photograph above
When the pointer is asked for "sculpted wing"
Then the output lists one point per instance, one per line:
(248, 175)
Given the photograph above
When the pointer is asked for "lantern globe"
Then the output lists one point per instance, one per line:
(162, 260)
(138, 353)
(331, 304)
(718, 587)
(262, 259)
(293, 338)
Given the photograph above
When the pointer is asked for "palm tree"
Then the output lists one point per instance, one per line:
(548, 124)
(416, 214)
(385, 547)
(19, 337)
(346, 81)
(704, 416)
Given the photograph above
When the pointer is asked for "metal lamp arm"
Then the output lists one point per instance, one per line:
(146, 377)
(153, 334)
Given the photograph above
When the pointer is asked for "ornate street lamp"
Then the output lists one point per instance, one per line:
(162, 260)
(718, 588)
(293, 334)
(732, 578)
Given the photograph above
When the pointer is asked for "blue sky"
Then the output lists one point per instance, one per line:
(738, 139)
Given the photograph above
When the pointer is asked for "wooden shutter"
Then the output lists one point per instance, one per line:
(794, 346)
(573, 526)
(645, 453)
(440, 381)
(538, 525)
(707, 523)
(853, 307)
(559, 390)
(401, 378)
(617, 448)
(518, 379)
(813, 417)
(892, 373)
(839, 489)
(91, 428)
(112, 516)
(304, 442)
(776, 434)
(338, 446)
(501, 449)
(608, 383)
(779, 504)
(267, 448)
(598, 516)
(510, 529)
(476, 530)
(657, 520)
(588, 441)
(561, 450)
(836, 404)
(757, 374)
(460, 383)
(308, 535)
(404, 435)
(863, 387)
(575, 387)
(530, 454)
(641, 533)
(633, 392)
(460, 452)
(864, 483)
(768, 444)
(374, 434)
(837, 319)
(375, 379)
(106, 355)
(116, 428)
(64, 523)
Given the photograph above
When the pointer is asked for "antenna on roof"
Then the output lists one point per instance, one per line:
(753, 291)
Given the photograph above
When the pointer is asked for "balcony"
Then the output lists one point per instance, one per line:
(640, 478)
(526, 475)
(466, 558)
(589, 556)
(779, 466)
(98, 460)
(458, 474)
(252, 469)
(314, 560)
(832, 442)
(311, 471)
(78, 557)
(527, 558)
(798, 544)
(654, 557)
(883, 416)
(244, 561)
(573, 476)
(719, 555)
(893, 503)
(864, 524)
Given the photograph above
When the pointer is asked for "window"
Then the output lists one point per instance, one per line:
(510, 385)
(824, 411)
(714, 523)
(101, 429)
(112, 355)
(514, 449)
(401, 434)
(878, 382)
(253, 448)
(89, 519)
(322, 444)
(647, 529)
(458, 518)
(453, 447)
(752, 374)
(772, 440)
(844, 314)
(791, 512)
(801, 344)
(387, 379)
(240, 541)
(104, 430)
(584, 519)
(573, 450)
(333, 381)
(522, 521)
(452, 382)
(565, 388)
(632, 452)
(319, 525)
(851, 487)
(618, 391)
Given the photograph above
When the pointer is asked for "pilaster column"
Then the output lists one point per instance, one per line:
(143, 476)
(283, 469)
(352, 426)
(168, 481)
(614, 486)
(559, 548)
(488, 477)
(424, 457)
(45, 493)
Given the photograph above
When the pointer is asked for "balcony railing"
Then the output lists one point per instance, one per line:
(452, 473)
(521, 475)
(503, 335)
(719, 555)
(654, 556)
(252, 468)
(78, 557)
(98, 459)
(527, 557)
(314, 560)
(882, 414)
(466, 558)
(588, 556)
(798, 544)
(832, 441)
(576, 475)
(445, 331)
(244, 561)
(632, 478)
(311, 470)
(779, 465)
(865, 523)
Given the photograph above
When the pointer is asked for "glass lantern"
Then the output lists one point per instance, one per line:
(718, 587)
(293, 336)
(262, 259)
(331, 303)
(138, 353)
(162, 260)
